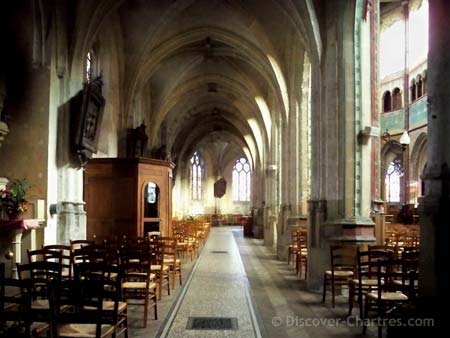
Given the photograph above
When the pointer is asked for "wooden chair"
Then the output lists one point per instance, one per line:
(409, 270)
(138, 282)
(75, 253)
(89, 254)
(39, 274)
(36, 276)
(161, 270)
(65, 258)
(113, 273)
(292, 249)
(366, 280)
(302, 252)
(44, 255)
(185, 245)
(15, 306)
(388, 294)
(342, 269)
(87, 317)
(191, 238)
(171, 258)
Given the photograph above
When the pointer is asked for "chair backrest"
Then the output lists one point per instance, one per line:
(294, 233)
(382, 252)
(44, 255)
(157, 253)
(39, 275)
(391, 271)
(15, 299)
(65, 255)
(97, 271)
(86, 298)
(170, 245)
(367, 262)
(302, 238)
(79, 243)
(153, 234)
(343, 257)
(135, 264)
(95, 253)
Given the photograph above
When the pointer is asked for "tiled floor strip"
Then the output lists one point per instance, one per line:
(217, 287)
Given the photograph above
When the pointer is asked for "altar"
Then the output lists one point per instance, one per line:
(11, 236)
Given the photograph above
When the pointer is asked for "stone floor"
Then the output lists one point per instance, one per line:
(240, 278)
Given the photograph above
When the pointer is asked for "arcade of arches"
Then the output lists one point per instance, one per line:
(328, 117)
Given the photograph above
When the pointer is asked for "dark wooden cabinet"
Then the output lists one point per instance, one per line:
(129, 196)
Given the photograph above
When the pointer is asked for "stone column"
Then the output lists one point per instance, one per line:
(434, 206)
(341, 175)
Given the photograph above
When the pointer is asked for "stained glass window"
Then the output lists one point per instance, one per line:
(241, 180)
(196, 177)
(392, 181)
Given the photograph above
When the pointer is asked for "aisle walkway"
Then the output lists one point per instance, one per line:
(266, 299)
(216, 294)
(286, 308)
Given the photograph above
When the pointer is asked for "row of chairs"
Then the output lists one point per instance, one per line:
(142, 265)
(298, 251)
(402, 235)
(89, 305)
(378, 278)
(190, 236)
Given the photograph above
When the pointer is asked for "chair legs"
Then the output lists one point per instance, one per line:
(366, 315)
(299, 263)
(333, 294)
(145, 311)
(330, 281)
(351, 298)
(324, 288)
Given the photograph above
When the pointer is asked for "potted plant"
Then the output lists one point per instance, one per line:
(13, 199)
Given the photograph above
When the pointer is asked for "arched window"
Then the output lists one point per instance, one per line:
(241, 181)
(413, 90)
(419, 86)
(392, 181)
(90, 66)
(196, 177)
(396, 99)
(424, 82)
(387, 101)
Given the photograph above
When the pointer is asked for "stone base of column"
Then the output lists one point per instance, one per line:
(353, 231)
(71, 221)
(356, 230)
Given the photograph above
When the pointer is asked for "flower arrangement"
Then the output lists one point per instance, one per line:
(13, 199)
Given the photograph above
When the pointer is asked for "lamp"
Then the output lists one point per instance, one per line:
(405, 140)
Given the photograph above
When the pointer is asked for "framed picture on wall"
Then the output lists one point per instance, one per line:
(87, 118)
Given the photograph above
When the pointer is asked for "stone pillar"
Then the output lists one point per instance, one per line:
(434, 206)
(339, 208)
(268, 210)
